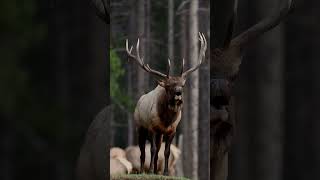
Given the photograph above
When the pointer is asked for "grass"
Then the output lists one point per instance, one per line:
(145, 177)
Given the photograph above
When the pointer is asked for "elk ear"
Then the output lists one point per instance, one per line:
(161, 83)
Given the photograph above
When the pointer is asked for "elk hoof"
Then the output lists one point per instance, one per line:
(141, 171)
(165, 173)
(150, 171)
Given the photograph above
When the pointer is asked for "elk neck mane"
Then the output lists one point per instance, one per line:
(167, 114)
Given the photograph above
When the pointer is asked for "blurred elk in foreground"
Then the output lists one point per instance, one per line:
(93, 159)
(116, 152)
(133, 155)
(119, 164)
(158, 112)
(224, 69)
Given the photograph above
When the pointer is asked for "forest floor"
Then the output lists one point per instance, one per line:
(145, 177)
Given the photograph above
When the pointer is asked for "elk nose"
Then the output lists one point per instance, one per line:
(178, 91)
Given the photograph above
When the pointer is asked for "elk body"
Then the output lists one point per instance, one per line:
(224, 67)
(158, 112)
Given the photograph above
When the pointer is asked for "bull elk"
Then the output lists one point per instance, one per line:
(158, 113)
(224, 69)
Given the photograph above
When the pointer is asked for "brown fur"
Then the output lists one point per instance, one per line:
(160, 118)
(158, 114)
(166, 114)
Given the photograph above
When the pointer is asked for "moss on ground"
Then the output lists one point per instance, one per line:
(145, 177)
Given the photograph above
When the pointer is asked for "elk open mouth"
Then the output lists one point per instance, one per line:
(175, 103)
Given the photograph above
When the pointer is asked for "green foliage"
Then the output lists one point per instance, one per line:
(116, 88)
(145, 176)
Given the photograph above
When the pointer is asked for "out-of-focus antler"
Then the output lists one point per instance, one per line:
(263, 26)
(226, 61)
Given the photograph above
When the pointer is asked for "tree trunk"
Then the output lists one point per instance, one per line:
(269, 120)
(171, 37)
(302, 94)
(194, 88)
(204, 102)
(132, 72)
(148, 53)
(185, 113)
(141, 34)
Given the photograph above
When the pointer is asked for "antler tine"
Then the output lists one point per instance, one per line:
(263, 26)
(169, 67)
(129, 51)
(140, 61)
(137, 50)
(182, 66)
(203, 48)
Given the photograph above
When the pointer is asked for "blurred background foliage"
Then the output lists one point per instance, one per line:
(117, 84)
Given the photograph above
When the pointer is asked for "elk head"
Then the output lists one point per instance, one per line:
(226, 60)
(172, 84)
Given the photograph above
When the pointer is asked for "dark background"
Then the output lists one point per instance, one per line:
(277, 93)
(53, 74)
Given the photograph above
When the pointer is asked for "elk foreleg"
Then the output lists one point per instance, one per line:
(158, 146)
(153, 149)
(168, 140)
(142, 133)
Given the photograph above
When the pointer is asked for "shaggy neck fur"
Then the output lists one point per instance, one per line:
(168, 111)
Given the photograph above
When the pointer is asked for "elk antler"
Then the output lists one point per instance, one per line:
(263, 26)
(226, 61)
(182, 65)
(202, 52)
(140, 61)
